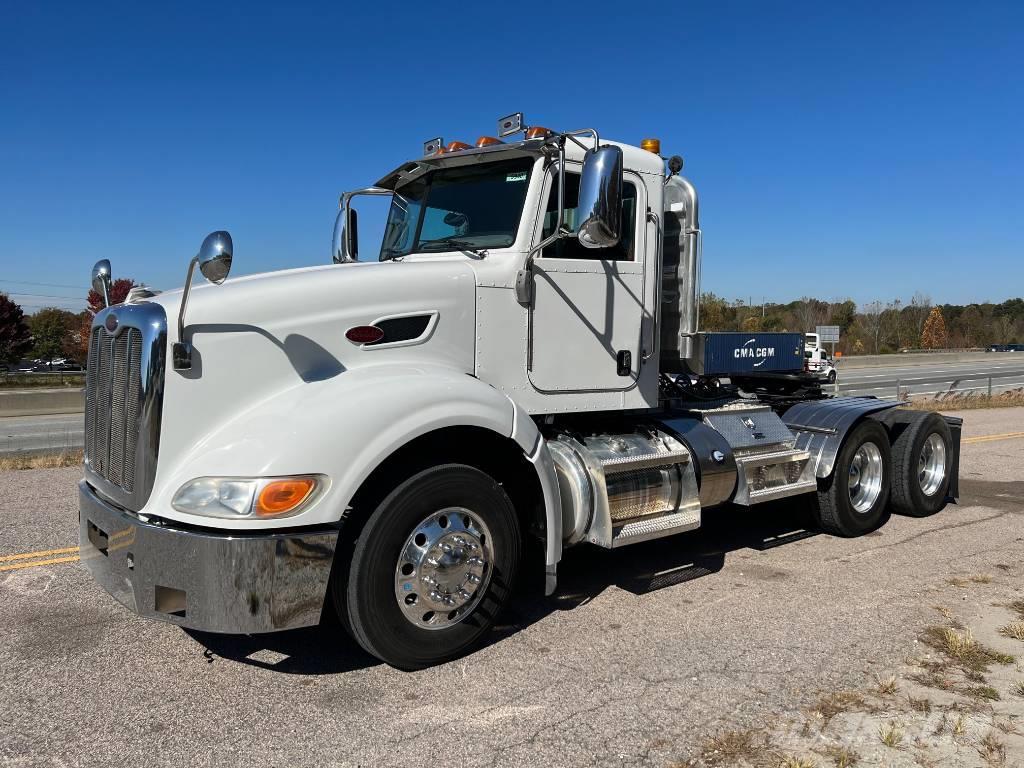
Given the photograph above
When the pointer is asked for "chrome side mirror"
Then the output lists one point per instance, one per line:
(600, 204)
(338, 255)
(345, 246)
(215, 257)
(101, 280)
(214, 260)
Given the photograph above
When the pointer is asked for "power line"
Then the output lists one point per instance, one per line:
(45, 285)
(47, 296)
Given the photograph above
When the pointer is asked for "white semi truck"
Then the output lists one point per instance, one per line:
(383, 437)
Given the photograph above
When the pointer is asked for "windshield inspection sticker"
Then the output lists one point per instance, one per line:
(516, 177)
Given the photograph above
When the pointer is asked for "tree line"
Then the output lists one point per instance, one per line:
(876, 327)
(51, 333)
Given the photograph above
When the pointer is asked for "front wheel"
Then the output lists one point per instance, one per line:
(432, 568)
(851, 501)
(831, 377)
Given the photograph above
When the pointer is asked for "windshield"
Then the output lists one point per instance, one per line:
(468, 207)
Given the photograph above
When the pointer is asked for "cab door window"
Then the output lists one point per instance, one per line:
(570, 248)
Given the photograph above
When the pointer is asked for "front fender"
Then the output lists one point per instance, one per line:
(341, 427)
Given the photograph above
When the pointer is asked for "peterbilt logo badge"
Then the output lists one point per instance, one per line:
(748, 350)
(110, 323)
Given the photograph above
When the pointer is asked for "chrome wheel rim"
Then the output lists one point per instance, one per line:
(931, 464)
(865, 481)
(444, 568)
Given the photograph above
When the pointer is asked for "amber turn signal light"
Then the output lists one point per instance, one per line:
(279, 497)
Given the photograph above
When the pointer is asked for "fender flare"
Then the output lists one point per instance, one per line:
(821, 425)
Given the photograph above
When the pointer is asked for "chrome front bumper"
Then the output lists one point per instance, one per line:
(233, 582)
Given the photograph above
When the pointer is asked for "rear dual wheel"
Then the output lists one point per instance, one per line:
(922, 460)
(852, 500)
(911, 476)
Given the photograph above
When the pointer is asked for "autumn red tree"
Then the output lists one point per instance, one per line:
(78, 341)
(934, 335)
(118, 293)
(15, 337)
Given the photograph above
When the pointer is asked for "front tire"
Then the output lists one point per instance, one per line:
(922, 462)
(852, 500)
(432, 568)
(831, 377)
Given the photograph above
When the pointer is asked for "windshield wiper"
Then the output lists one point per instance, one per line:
(464, 245)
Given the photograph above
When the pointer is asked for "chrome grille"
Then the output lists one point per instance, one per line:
(123, 399)
(112, 401)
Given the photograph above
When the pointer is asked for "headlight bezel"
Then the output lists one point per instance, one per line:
(234, 497)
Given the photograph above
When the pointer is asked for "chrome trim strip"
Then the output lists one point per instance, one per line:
(645, 461)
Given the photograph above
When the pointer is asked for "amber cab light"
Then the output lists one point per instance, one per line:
(651, 145)
(537, 132)
(279, 497)
(488, 141)
(458, 146)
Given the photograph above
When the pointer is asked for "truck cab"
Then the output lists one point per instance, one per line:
(395, 436)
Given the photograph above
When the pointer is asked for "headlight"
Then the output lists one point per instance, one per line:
(235, 497)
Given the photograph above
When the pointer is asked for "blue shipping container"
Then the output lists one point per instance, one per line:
(736, 353)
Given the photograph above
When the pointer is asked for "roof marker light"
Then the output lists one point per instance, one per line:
(538, 132)
(458, 146)
(651, 145)
(488, 141)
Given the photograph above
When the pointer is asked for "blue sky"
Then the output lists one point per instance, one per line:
(864, 149)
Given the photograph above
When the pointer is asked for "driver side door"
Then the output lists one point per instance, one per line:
(588, 308)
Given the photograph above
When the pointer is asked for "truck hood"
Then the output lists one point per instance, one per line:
(258, 336)
(301, 315)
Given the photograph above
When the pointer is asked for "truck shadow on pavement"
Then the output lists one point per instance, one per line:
(584, 573)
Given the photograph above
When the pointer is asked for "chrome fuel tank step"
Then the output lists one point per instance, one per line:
(623, 488)
(773, 475)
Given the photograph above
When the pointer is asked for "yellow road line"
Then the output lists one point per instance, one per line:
(990, 438)
(43, 553)
(34, 563)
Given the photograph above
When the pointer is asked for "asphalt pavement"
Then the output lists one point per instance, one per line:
(1006, 371)
(642, 653)
(34, 434)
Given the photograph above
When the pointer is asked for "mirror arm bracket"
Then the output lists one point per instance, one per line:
(181, 353)
(524, 278)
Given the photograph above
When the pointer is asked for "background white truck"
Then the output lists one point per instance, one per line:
(383, 437)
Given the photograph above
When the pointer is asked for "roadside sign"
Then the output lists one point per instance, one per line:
(828, 333)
